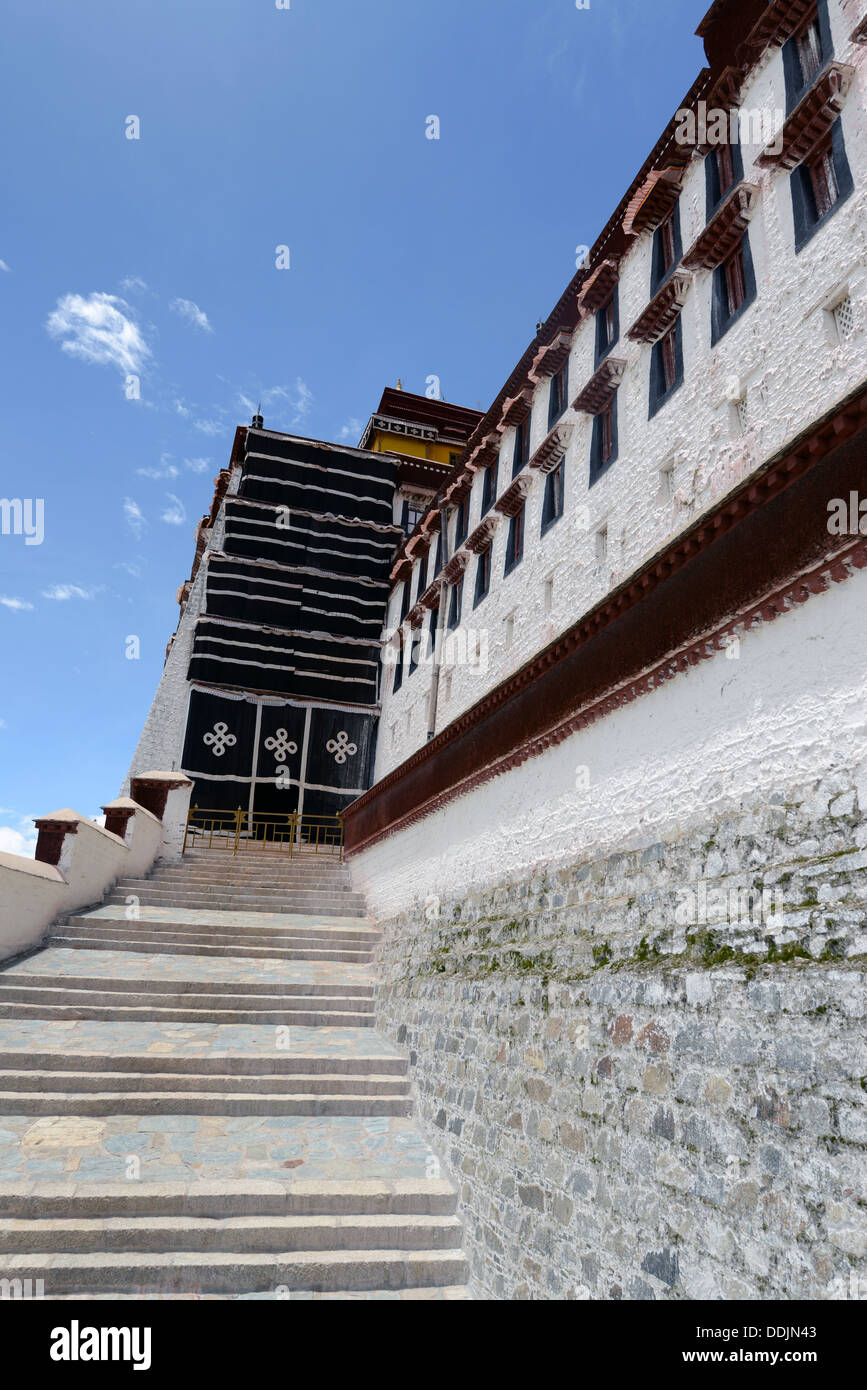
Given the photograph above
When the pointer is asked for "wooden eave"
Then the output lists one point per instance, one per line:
(550, 358)
(724, 230)
(599, 286)
(779, 22)
(481, 538)
(811, 121)
(553, 447)
(653, 202)
(455, 567)
(512, 500)
(415, 616)
(517, 408)
(430, 599)
(402, 570)
(600, 389)
(485, 453)
(662, 311)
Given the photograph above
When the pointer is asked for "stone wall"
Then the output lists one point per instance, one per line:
(646, 1085)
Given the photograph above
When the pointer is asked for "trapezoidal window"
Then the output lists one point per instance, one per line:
(522, 446)
(558, 394)
(483, 576)
(806, 53)
(456, 595)
(515, 541)
(666, 366)
(607, 327)
(820, 185)
(489, 486)
(603, 447)
(734, 288)
(552, 504)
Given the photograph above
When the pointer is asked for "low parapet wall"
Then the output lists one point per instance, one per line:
(78, 860)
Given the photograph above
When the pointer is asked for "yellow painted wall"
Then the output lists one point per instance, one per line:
(418, 448)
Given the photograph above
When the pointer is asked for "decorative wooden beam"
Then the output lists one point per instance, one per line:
(600, 389)
(415, 616)
(485, 453)
(430, 599)
(811, 121)
(779, 22)
(481, 538)
(517, 408)
(598, 287)
(512, 500)
(653, 202)
(550, 358)
(552, 448)
(663, 309)
(455, 567)
(724, 230)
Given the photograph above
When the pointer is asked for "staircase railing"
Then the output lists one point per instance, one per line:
(243, 832)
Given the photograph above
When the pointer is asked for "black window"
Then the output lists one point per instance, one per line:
(483, 576)
(607, 327)
(666, 366)
(438, 562)
(421, 584)
(806, 53)
(723, 168)
(461, 517)
(489, 486)
(734, 288)
(552, 503)
(603, 448)
(404, 602)
(515, 542)
(667, 250)
(453, 458)
(522, 446)
(820, 185)
(456, 595)
(558, 395)
(398, 666)
(415, 638)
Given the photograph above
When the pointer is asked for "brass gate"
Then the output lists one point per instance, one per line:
(243, 832)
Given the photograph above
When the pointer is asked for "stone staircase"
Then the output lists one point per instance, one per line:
(194, 1102)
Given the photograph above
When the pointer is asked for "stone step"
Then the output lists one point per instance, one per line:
(300, 1013)
(157, 1235)
(245, 929)
(257, 1103)
(308, 882)
(262, 900)
(240, 1197)
(197, 947)
(271, 872)
(67, 1082)
(447, 1293)
(196, 992)
(208, 1061)
(319, 1270)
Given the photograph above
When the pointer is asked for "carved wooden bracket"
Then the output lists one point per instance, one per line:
(663, 309)
(724, 230)
(600, 389)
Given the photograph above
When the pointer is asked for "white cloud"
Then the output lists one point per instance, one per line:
(134, 570)
(134, 283)
(17, 605)
(353, 429)
(134, 516)
(63, 592)
(210, 427)
(166, 469)
(192, 313)
(14, 842)
(174, 514)
(181, 408)
(299, 398)
(7, 268)
(100, 330)
(197, 465)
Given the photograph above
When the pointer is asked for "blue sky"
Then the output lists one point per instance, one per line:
(155, 258)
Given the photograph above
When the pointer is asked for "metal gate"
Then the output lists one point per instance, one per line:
(240, 832)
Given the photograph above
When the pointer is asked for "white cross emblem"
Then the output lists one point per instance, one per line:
(220, 739)
(341, 747)
(280, 745)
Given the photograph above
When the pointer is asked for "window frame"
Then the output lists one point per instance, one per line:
(456, 599)
(805, 212)
(605, 431)
(515, 539)
(722, 319)
(484, 565)
(489, 486)
(553, 502)
(666, 367)
(610, 310)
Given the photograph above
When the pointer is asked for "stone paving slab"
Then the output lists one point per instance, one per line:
(91, 1037)
(212, 917)
(184, 1148)
(59, 962)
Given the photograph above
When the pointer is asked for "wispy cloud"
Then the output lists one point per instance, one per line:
(353, 429)
(7, 268)
(209, 427)
(62, 593)
(192, 313)
(100, 330)
(166, 469)
(175, 514)
(133, 283)
(197, 465)
(182, 409)
(17, 605)
(129, 568)
(299, 398)
(134, 516)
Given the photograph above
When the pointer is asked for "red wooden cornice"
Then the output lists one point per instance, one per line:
(762, 549)
(402, 570)
(725, 228)
(654, 200)
(415, 616)
(551, 356)
(599, 286)
(418, 546)
(663, 309)
(599, 391)
(512, 500)
(460, 489)
(811, 121)
(429, 523)
(430, 599)
(553, 447)
(778, 23)
(859, 33)
(481, 538)
(517, 408)
(485, 452)
(455, 567)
